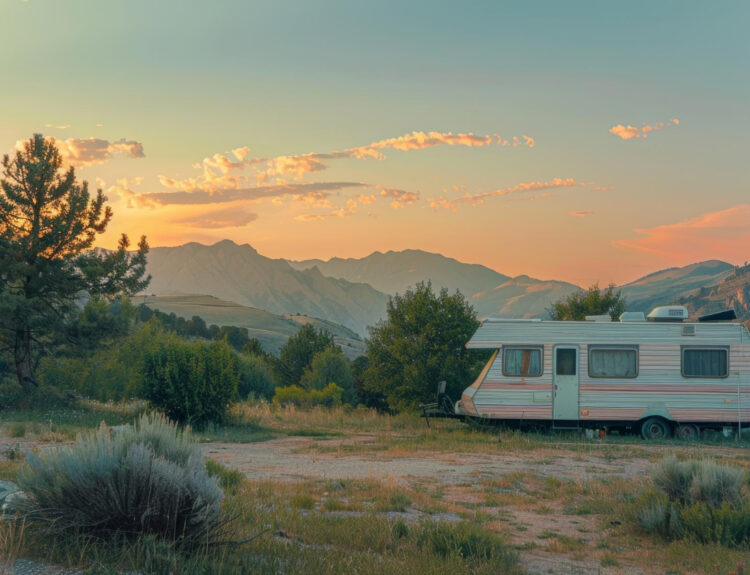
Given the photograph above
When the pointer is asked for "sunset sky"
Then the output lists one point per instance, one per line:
(582, 141)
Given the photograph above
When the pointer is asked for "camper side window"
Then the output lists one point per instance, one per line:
(522, 361)
(614, 362)
(705, 362)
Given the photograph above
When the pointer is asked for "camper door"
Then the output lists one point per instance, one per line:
(565, 383)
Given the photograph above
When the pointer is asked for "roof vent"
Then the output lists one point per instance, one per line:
(633, 316)
(668, 313)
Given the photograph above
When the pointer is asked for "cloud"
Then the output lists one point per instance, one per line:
(581, 214)
(721, 234)
(57, 127)
(275, 191)
(223, 218)
(630, 132)
(399, 198)
(88, 151)
(122, 190)
(478, 199)
(217, 168)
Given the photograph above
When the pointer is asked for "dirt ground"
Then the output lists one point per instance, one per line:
(297, 458)
(462, 479)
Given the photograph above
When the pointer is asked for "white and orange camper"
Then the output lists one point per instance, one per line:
(658, 375)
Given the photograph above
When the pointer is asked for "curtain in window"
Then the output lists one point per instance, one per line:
(705, 362)
(523, 362)
(612, 362)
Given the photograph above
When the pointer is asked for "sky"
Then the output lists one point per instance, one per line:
(580, 141)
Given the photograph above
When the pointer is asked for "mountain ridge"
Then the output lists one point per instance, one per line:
(353, 292)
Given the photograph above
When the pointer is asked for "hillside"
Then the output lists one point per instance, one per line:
(271, 330)
(520, 297)
(732, 292)
(238, 273)
(667, 286)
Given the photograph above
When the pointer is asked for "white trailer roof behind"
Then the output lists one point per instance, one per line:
(494, 333)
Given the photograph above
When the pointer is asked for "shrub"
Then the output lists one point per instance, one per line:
(17, 430)
(191, 382)
(146, 479)
(715, 484)
(674, 478)
(229, 479)
(255, 379)
(329, 396)
(465, 540)
(331, 366)
(704, 502)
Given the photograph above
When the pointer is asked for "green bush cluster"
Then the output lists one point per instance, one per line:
(698, 500)
(191, 382)
(145, 479)
(329, 396)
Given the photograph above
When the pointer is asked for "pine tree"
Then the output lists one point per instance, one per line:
(48, 224)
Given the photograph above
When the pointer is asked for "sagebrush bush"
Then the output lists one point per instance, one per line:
(701, 501)
(146, 479)
(329, 396)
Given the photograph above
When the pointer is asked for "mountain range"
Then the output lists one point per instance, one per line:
(354, 292)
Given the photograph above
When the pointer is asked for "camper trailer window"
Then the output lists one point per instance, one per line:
(614, 362)
(522, 361)
(704, 362)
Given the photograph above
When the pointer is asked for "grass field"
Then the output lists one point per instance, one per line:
(449, 499)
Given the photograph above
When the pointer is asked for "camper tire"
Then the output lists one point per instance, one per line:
(688, 432)
(656, 428)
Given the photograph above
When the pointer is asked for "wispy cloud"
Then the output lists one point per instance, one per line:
(204, 197)
(479, 198)
(630, 132)
(220, 171)
(58, 126)
(233, 217)
(81, 152)
(581, 214)
(721, 234)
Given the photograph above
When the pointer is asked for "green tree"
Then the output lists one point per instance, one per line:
(297, 354)
(48, 224)
(593, 301)
(254, 377)
(420, 343)
(331, 366)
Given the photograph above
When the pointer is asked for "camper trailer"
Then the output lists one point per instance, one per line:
(657, 375)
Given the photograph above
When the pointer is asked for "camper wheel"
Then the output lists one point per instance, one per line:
(656, 428)
(688, 432)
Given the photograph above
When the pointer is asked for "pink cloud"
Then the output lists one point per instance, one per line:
(630, 132)
(479, 198)
(581, 214)
(721, 234)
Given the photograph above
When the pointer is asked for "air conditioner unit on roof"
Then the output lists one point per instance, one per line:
(668, 313)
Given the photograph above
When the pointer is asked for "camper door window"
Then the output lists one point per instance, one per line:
(522, 361)
(613, 362)
(705, 361)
